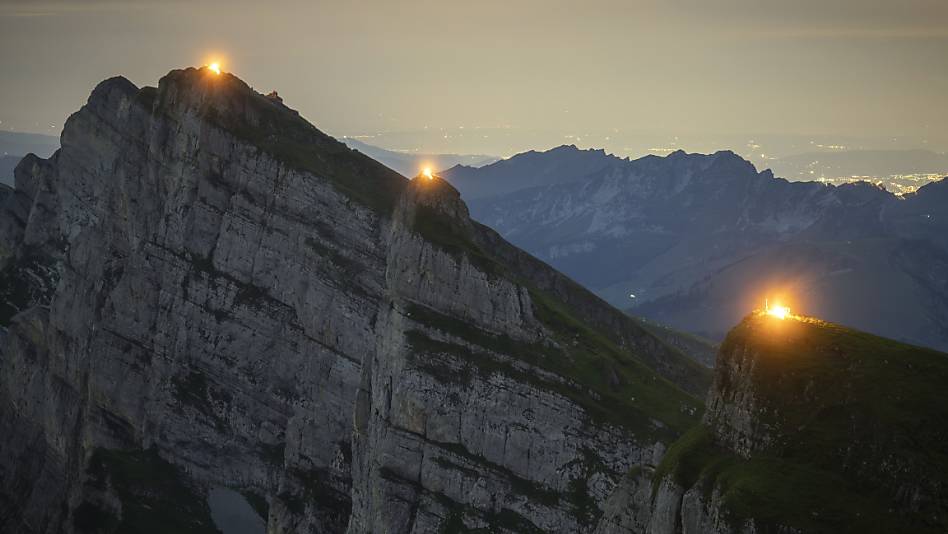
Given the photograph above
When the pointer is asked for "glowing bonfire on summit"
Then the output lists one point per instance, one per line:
(776, 310)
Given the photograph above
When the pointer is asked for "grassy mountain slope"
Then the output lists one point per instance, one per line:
(846, 431)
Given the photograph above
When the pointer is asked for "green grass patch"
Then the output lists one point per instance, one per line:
(688, 457)
(695, 347)
(447, 234)
(778, 492)
(587, 383)
(625, 385)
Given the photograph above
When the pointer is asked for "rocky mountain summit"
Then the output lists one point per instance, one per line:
(202, 292)
(693, 241)
(811, 427)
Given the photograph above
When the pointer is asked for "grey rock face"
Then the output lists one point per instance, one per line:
(179, 321)
(490, 449)
(628, 510)
(640, 505)
(200, 274)
(732, 411)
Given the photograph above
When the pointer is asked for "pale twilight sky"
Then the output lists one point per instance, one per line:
(699, 69)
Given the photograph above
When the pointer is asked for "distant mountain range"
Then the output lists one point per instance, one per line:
(15, 145)
(410, 164)
(529, 169)
(696, 241)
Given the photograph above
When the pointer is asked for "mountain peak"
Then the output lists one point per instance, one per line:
(799, 366)
(726, 153)
(226, 102)
(438, 194)
(573, 149)
(557, 165)
(803, 406)
(117, 85)
(230, 102)
(731, 164)
(205, 210)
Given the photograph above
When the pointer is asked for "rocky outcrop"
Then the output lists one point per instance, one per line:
(809, 427)
(202, 290)
(178, 321)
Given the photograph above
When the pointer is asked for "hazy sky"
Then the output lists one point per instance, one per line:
(548, 69)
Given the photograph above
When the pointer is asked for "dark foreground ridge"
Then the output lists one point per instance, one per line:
(202, 292)
(813, 427)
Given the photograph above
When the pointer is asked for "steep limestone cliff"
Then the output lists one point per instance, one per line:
(201, 290)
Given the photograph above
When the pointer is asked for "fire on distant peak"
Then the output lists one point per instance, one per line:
(777, 310)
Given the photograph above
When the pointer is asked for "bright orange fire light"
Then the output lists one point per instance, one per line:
(776, 310)
(214, 67)
(427, 173)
